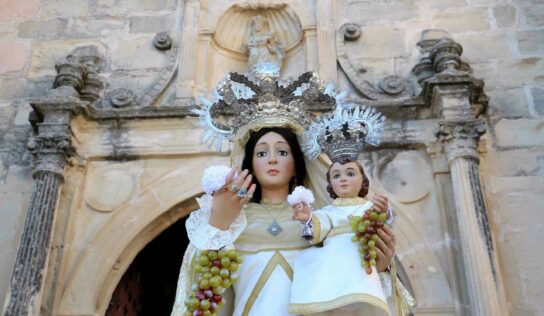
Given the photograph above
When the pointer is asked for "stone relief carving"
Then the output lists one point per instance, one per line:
(125, 98)
(406, 177)
(162, 41)
(390, 87)
(234, 28)
(120, 98)
(100, 196)
(262, 45)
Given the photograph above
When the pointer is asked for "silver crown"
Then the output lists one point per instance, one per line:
(344, 133)
(261, 99)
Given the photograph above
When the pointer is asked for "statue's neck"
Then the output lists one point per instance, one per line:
(275, 195)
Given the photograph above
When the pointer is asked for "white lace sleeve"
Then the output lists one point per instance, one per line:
(204, 236)
(394, 289)
(390, 215)
(385, 279)
(184, 282)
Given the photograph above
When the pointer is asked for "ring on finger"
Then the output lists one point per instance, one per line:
(233, 188)
(242, 193)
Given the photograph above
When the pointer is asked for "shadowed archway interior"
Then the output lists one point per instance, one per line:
(148, 287)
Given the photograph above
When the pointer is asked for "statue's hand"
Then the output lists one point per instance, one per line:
(380, 202)
(385, 248)
(228, 201)
(301, 212)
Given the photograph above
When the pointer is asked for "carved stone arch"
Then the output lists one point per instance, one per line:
(132, 226)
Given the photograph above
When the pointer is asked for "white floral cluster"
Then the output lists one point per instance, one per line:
(301, 194)
(214, 178)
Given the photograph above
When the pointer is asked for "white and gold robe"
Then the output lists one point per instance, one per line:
(265, 276)
(330, 280)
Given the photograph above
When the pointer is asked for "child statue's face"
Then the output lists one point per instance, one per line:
(346, 179)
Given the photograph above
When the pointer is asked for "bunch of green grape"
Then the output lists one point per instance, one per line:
(216, 272)
(366, 235)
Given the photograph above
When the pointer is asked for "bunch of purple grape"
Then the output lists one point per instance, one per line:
(366, 235)
(216, 273)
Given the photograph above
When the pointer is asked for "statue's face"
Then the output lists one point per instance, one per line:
(273, 161)
(346, 180)
(258, 24)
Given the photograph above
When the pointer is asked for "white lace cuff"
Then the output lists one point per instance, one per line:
(203, 235)
(390, 215)
(387, 284)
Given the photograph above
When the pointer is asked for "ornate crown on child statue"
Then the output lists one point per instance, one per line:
(260, 99)
(344, 133)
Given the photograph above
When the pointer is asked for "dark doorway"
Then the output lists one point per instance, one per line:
(148, 287)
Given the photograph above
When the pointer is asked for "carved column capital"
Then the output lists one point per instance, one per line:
(50, 154)
(461, 137)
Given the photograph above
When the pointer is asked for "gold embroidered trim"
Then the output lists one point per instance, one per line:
(335, 231)
(317, 307)
(403, 299)
(277, 259)
(248, 252)
(349, 201)
(317, 230)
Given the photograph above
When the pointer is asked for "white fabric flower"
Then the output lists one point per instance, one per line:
(301, 194)
(214, 178)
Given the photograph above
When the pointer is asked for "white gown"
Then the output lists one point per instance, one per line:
(330, 280)
(266, 275)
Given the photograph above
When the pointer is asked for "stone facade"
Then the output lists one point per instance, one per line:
(129, 179)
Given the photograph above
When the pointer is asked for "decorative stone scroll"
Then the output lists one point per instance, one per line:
(390, 87)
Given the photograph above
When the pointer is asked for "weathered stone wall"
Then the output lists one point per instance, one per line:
(36, 34)
(503, 42)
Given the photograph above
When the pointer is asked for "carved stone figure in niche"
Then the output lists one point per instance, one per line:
(262, 45)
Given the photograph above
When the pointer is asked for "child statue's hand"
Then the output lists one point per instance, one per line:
(380, 202)
(301, 212)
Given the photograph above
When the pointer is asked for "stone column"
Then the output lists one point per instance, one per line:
(477, 251)
(188, 50)
(51, 149)
(456, 98)
(326, 40)
(312, 59)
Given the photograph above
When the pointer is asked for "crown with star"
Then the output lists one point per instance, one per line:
(343, 133)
